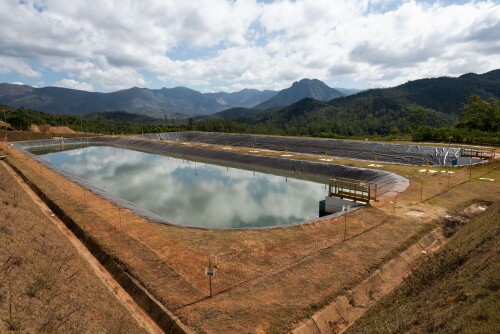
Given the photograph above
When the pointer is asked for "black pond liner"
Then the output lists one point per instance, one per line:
(363, 150)
(387, 184)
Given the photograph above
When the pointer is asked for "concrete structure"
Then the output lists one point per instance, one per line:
(333, 204)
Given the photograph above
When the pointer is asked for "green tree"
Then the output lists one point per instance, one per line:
(481, 115)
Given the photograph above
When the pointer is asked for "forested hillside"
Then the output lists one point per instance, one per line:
(466, 108)
(101, 123)
(423, 109)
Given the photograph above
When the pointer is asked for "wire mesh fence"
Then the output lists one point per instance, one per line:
(264, 258)
(384, 183)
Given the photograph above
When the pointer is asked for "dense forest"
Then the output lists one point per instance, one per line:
(118, 122)
(465, 108)
(478, 121)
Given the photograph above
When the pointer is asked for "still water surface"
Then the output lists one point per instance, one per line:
(194, 193)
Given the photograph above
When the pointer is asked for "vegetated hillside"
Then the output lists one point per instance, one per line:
(304, 88)
(246, 98)
(348, 91)
(315, 118)
(234, 113)
(457, 291)
(56, 100)
(178, 101)
(443, 94)
(103, 123)
(402, 109)
(125, 117)
(52, 99)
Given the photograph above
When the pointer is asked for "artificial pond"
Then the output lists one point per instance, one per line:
(193, 193)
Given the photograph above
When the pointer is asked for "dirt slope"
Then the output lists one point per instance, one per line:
(53, 129)
(45, 287)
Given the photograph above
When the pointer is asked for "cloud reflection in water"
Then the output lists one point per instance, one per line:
(192, 193)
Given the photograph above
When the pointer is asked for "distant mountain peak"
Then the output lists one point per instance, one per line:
(304, 88)
(307, 81)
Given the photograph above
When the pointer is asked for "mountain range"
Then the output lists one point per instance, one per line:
(435, 102)
(308, 107)
(176, 102)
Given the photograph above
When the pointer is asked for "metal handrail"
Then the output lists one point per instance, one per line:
(356, 191)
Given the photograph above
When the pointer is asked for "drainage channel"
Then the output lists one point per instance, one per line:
(154, 316)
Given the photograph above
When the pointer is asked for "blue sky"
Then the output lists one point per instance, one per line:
(221, 45)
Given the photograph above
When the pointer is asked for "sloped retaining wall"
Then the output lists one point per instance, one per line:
(165, 319)
(341, 313)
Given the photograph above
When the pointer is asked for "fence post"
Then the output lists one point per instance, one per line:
(422, 189)
(395, 204)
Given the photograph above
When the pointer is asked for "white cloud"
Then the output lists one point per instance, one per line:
(100, 72)
(15, 65)
(113, 45)
(73, 84)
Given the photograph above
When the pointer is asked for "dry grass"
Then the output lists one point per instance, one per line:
(267, 280)
(457, 291)
(45, 287)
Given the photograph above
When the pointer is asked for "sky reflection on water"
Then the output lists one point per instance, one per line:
(194, 193)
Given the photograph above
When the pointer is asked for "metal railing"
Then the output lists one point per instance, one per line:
(477, 153)
(353, 190)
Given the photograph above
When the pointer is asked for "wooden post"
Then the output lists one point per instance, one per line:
(120, 215)
(345, 224)
(210, 276)
(470, 168)
(345, 208)
(395, 204)
(422, 190)
(84, 200)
